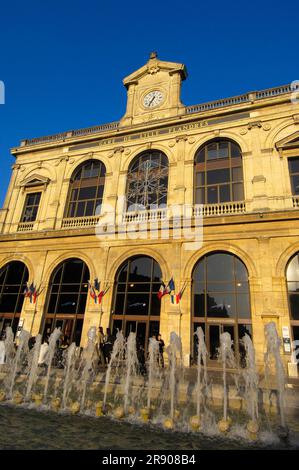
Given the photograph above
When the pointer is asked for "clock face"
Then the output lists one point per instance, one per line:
(153, 99)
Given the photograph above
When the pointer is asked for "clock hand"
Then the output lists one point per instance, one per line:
(152, 100)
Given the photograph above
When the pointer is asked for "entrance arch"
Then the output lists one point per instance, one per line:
(221, 301)
(136, 306)
(292, 278)
(66, 300)
(13, 279)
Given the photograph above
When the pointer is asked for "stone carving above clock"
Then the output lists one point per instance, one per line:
(154, 91)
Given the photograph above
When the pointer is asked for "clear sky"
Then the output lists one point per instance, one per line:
(63, 62)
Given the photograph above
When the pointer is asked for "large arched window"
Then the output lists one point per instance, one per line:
(136, 306)
(218, 175)
(292, 275)
(147, 182)
(66, 300)
(13, 279)
(86, 190)
(221, 300)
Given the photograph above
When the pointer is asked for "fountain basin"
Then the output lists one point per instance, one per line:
(195, 423)
(18, 398)
(55, 403)
(224, 424)
(75, 407)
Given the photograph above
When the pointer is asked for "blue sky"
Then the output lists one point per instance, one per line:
(63, 62)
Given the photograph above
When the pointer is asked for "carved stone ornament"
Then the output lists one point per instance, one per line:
(243, 131)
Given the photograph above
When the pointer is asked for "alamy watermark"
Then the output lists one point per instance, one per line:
(175, 222)
(2, 92)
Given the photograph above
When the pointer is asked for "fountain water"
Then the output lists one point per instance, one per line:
(19, 360)
(86, 367)
(117, 356)
(163, 392)
(272, 355)
(131, 362)
(50, 355)
(69, 374)
(226, 355)
(153, 367)
(10, 350)
(174, 352)
(251, 385)
(33, 367)
(202, 378)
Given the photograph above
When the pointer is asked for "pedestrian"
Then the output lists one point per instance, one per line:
(31, 342)
(161, 350)
(108, 345)
(100, 346)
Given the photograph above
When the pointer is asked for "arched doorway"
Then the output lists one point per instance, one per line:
(66, 301)
(136, 306)
(221, 301)
(292, 277)
(13, 279)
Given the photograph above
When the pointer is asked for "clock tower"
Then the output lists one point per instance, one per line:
(153, 91)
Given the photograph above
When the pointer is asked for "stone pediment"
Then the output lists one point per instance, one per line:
(34, 180)
(291, 141)
(153, 66)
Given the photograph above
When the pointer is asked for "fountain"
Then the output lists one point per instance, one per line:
(202, 378)
(86, 367)
(251, 386)
(17, 363)
(174, 352)
(69, 375)
(131, 364)
(33, 367)
(49, 359)
(164, 396)
(153, 373)
(272, 356)
(226, 355)
(117, 355)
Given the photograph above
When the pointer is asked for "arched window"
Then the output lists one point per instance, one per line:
(147, 182)
(292, 275)
(218, 175)
(86, 190)
(136, 306)
(13, 279)
(221, 300)
(66, 300)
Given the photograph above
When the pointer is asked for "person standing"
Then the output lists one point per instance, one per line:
(161, 350)
(100, 346)
(108, 345)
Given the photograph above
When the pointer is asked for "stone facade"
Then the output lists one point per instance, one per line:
(263, 234)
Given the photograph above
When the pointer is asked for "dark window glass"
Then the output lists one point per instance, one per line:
(30, 207)
(292, 275)
(13, 279)
(86, 190)
(218, 173)
(135, 293)
(220, 291)
(67, 295)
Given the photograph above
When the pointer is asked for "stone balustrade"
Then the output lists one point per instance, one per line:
(234, 100)
(25, 226)
(145, 215)
(225, 208)
(79, 222)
